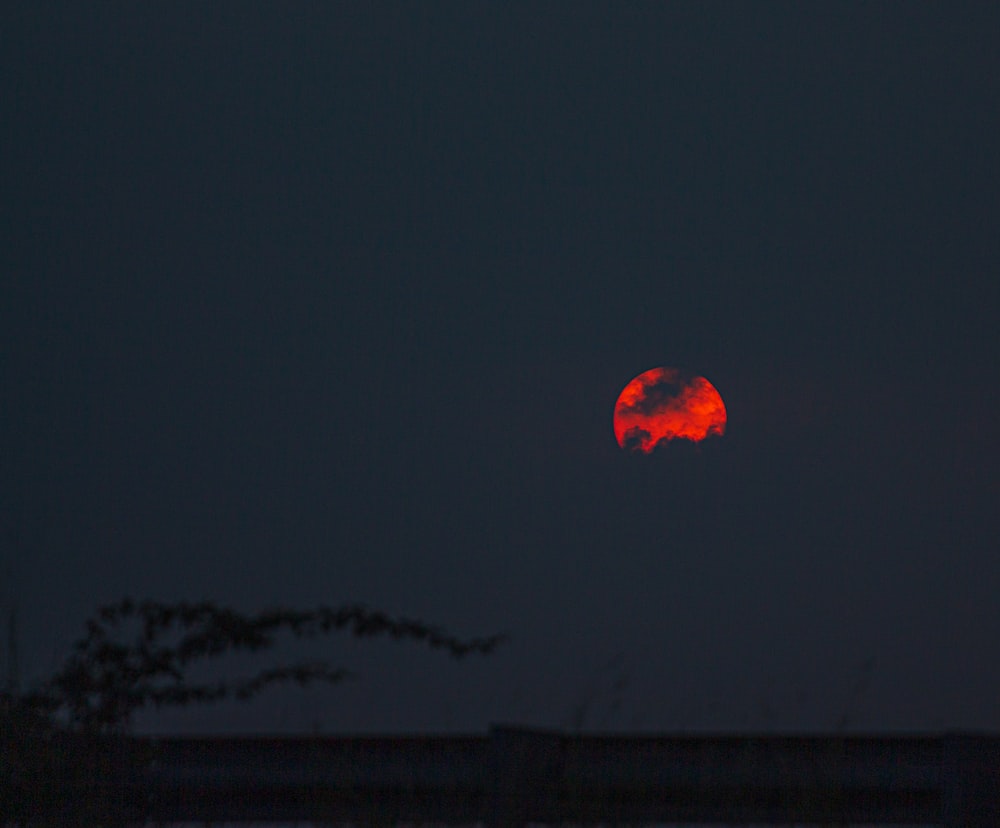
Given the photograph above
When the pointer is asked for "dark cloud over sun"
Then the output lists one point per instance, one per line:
(664, 404)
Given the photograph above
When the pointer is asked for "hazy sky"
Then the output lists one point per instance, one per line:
(309, 303)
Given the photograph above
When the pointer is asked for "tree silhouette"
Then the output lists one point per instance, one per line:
(106, 679)
(63, 736)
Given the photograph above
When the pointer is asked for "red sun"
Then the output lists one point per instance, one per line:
(663, 404)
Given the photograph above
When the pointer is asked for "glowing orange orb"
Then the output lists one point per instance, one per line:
(663, 404)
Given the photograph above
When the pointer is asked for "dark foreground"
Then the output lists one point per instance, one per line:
(509, 777)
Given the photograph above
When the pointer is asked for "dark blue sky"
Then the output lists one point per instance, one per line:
(310, 303)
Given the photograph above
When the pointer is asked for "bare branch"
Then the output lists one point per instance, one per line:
(105, 681)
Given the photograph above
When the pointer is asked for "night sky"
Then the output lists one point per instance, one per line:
(313, 303)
